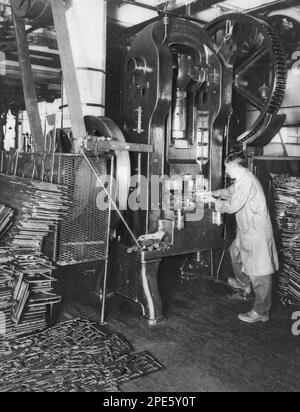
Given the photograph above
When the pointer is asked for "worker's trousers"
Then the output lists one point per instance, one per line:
(262, 285)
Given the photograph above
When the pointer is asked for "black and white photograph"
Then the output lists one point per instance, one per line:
(149, 199)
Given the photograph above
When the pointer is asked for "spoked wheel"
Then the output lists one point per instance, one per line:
(259, 72)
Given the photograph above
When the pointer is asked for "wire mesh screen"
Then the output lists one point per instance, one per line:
(82, 236)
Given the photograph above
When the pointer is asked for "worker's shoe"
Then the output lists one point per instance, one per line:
(235, 284)
(253, 317)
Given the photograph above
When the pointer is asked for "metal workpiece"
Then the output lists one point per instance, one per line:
(74, 356)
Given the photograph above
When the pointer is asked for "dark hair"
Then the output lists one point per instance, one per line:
(237, 157)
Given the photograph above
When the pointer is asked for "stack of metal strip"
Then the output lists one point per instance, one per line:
(7, 275)
(6, 215)
(38, 208)
(287, 207)
(74, 356)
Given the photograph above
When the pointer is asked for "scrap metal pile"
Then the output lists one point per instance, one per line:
(74, 356)
(26, 282)
(287, 208)
(6, 292)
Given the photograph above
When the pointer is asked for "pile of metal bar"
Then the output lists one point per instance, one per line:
(7, 276)
(74, 356)
(287, 208)
(5, 219)
(6, 298)
(38, 207)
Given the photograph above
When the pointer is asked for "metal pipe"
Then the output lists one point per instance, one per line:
(220, 264)
(102, 320)
(212, 266)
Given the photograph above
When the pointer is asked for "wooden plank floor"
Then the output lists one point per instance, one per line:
(202, 345)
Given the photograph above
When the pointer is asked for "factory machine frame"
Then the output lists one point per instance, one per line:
(183, 88)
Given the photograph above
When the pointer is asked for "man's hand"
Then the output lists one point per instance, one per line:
(216, 193)
(208, 197)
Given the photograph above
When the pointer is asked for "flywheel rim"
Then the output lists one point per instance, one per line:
(108, 128)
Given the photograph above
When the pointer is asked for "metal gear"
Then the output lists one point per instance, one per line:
(259, 63)
(287, 28)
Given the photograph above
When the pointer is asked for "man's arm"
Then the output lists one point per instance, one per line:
(224, 193)
(236, 202)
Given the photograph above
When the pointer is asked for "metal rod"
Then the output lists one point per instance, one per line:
(102, 320)
(2, 161)
(212, 269)
(220, 264)
(17, 161)
(59, 161)
(140, 173)
(160, 11)
(275, 158)
(111, 199)
(43, 167)
(53, 144)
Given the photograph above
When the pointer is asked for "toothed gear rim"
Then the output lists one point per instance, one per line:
(279, 69)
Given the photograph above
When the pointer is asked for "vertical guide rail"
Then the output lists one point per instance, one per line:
(27, 81)
(104, 288)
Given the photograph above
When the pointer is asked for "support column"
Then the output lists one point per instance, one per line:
(69, 72)
(87, 26)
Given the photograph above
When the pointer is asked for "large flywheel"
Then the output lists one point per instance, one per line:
(103, 126)
(259, 64)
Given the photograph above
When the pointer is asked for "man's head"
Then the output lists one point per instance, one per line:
(235, 164)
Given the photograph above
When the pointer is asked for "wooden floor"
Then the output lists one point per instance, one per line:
(202, 345)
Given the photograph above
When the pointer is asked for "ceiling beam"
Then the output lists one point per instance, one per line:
(275, 5)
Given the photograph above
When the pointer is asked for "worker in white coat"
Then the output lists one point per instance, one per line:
(253, 253)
